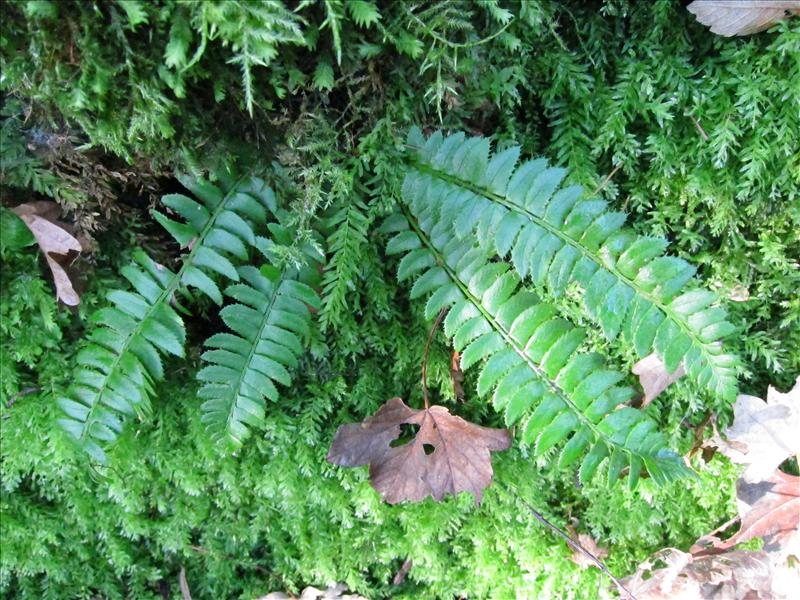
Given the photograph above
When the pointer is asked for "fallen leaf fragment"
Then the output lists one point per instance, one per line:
(448, 455)
(739, 293)
(738, 575)
(588, 542)
(768, 509)
(60, 248)
(456, 375)
(332, 592)
(400, 576)
(741, 17)
(763, 434)
(653, 376)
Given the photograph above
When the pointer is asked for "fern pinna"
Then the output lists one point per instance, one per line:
(537, 377)
(116, 369)
(556, 236)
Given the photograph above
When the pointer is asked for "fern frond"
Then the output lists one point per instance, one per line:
(116, 370)
(269, 321)
(556, 236)
(529, 356)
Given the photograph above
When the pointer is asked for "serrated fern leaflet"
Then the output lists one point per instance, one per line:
(538, 379)
(555, 237)
(115, 370)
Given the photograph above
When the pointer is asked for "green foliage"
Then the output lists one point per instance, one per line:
(692, 135)
(556, 237)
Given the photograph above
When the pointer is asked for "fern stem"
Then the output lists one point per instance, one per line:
(165, 295)
(669, 312)
(434, 327)
(507, 335)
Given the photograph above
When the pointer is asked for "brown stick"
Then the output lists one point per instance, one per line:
(24, 392)
(699, 127)
(184, 585)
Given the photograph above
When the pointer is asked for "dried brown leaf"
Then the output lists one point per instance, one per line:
(741, 17)
(768, 509)
(588, 542)
(763, 434)
(739, 293)
(457, 457)
(456, 375)
(737, 575)
(60, 248)
(654, 378)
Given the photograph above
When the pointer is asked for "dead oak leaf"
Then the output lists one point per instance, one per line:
(60, 248)
(447, 455)
(763, 434)
(737, 575)
(653, 376)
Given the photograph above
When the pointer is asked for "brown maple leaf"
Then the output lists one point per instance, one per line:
(448, 455)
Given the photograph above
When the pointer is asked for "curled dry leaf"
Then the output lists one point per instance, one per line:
(768, 509)
(763, 434)
(60, 248)
(447, 455)
(654, 378)
(741, 17)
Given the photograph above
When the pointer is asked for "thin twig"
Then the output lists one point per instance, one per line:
(605, 181)
(24, 392)
(699, 127)
(184, 585)
(572, 543)
(425, 357)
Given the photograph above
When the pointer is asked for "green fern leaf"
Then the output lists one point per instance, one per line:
(268, 321)
(554, 236)
(530, 361)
